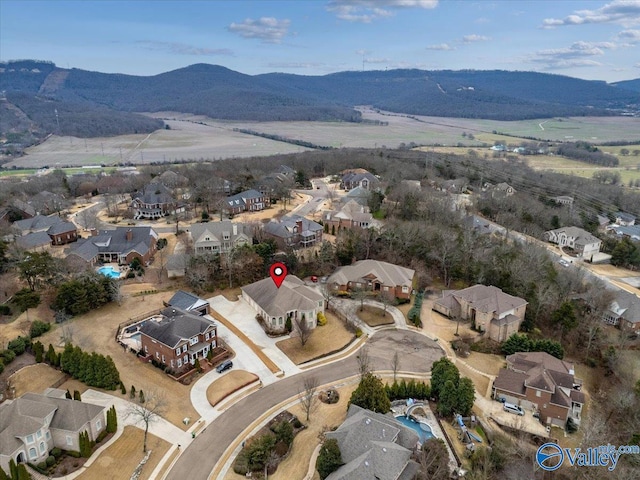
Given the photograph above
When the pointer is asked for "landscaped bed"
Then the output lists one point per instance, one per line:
(374, 316)
(228, 384)
(331, 337)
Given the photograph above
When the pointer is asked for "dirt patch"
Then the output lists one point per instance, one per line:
(35, 378)
(374, 316)
(121, 459)
(326, 339)
(225, 386)
(95, 332)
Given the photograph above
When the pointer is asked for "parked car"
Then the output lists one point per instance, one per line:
(314, 279)
(324, 279)
(226, 365)
(511, 408)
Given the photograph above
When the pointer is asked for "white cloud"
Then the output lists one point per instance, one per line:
(377, 60)
(576, 55)
(629, 35)
(366, 11)
(637, 65)
(624, 12)
(300, 65)
(441, 46)
(183, 49)
(267, 29)
(474, 38)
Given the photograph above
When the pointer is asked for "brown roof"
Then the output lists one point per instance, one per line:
(524, 361)
(510, 381)
(577, 396)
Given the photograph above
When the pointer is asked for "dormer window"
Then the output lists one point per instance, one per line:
(193, 341)
(225, 236)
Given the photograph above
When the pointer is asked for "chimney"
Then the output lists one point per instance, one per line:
(129, 235)
(299, 225)
(94, 232)
(235, 230)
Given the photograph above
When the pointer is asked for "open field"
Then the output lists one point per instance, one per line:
(121, 459)
(196, 137)
(332, 336)
(226, 385)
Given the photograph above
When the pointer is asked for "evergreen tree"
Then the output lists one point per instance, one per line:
(23, 474)
(68, 394)
(371, 394)
(52, 356)
(13, 469)
(141, 397)
(123, 389)
(76, 395)
(38, 351)
(441, 372)
(3, 475)
(465, 396)
(112, 420)
(329, 458)
(132, 392)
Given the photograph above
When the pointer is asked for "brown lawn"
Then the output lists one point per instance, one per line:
(35, 378)
(121, 459)
(374, 316)
(325, 417)
(225, 386)
(486, 362)
(95, 331)
(329, 338)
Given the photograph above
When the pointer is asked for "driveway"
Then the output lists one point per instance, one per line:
(417, 353)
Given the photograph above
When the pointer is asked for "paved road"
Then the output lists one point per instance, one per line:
(417, 353)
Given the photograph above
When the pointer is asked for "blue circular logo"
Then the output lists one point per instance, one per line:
(549, 456)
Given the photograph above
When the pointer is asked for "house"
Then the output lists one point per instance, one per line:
(154, 201)
(358, 177)
(563, 200)
(219, 237)
(293, 300)
(351, 215)
(278, 181)
(188, 302)
(172, 179)
(247, 201)
(624, 312)
(584, 244)
(632, 232)
(374, 446)
(17, 210)
(62, 233)
(294, 231)
(374, 276)
(499, 148)
(456, 185)
(34, 242)
(38, 223)
(625, 219)
(603, 221)
(503, 189)
(177, 265)
(121, 245)
(488, 308)
(176, 338)
(540, 382)
(32, 425)
(359, 195)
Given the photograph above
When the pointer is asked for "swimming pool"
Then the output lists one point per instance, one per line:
(109, 271)
(422, 429)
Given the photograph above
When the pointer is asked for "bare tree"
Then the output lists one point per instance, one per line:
(161, 260)
(308, 397)
(302, 329)
(326, 292)
(149, 412)
(88, 218)
(387, 299)
(364, 362)
(395, 364)
(116, 291)
(359, 294)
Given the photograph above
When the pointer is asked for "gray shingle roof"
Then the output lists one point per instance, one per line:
(581, 236)
(627, 306)
(293, 294)
(489, 299)
(372, 445)
(217, 229)
(175, 326)
(115, 241)
(387, 273)
(239, 198)
(154, 193)
(33, 240)
(185, 301)
(62, 227)
(39, 222)
(70, 414)
(625, 217)
(284, 228)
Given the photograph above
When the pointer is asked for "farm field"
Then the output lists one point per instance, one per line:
(193, 137)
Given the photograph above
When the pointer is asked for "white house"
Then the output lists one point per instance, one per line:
(582, 242)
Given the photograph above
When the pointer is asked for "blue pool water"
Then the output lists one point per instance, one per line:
(109, 272)
(422, 429)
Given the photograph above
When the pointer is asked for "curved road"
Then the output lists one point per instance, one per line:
(417, 353)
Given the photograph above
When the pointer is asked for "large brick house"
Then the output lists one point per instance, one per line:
(294, 231)
(32, 425)
(624, 312)
(120, 246)
(374, 276)
(247, 201)
(152, 202)
(540, 382)
(175, 338)
(488, 307)
(351, 215)
(359, 177)
(582, 242)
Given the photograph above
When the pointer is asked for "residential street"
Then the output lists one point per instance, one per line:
(199, 459)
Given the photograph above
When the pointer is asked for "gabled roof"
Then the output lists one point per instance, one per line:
(33, 240)
(154, 193)
(240, 198)
(62, 227)
(215, 231)
(39, 222)
(387, 274)
(175, 326)
(488, 299)
(372, 445)
(115, 241)
(186, 301)
(625, 217)
(284, 228)
(626, 305)
(70, 414)
(581, 236)
(293, 294)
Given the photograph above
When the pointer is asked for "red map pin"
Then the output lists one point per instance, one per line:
(278, 271)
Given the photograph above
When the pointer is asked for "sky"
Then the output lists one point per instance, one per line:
(595, 40)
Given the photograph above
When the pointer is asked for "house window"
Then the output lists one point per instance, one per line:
(98, 425)
(213, 345)
(29, 438)
(206, 336)
(43, 448)
(193, 341)
(163, 359)
(146, 350)
(184, 348)
(386, 289)
(538, 393)
(177, 351)
(39, 433)
(320, 303)
(405, 289)
(185, 359)
(171, 363)
(32, 453)
(158, 355)
(279, 320)
(48, 435)
(225, 236)
(69, 440)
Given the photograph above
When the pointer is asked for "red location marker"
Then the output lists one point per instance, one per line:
(278, 271)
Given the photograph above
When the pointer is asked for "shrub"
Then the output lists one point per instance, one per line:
(101, 436)
(18, 345)
(51, 460)
(241, 465)
(5, 310)
(56, 452)
(358, 332)
(131, 274)
(38, 328)
(73, 453)
(297, 423)
(42, 466)
(1, 366)
(7, 356)
(322, 320)
(329, 459)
